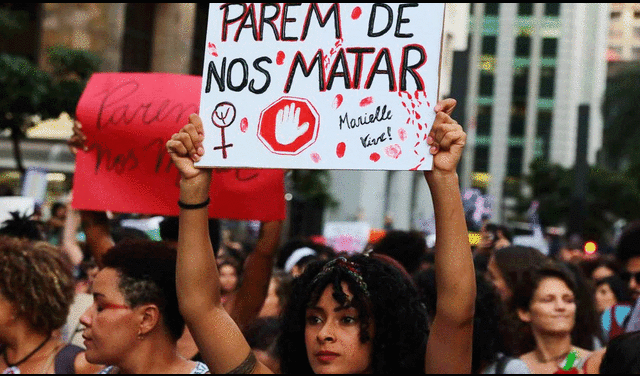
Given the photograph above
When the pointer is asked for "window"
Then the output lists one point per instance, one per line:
(483, 121)
(489, 43)
(137, 44)
(514, 161)
(615, 15)
(520, 84)
(615, 33)
(518, 113)
(552, 9)
(525, 9)
(491, 9)
(486, 84)
(636, 32)
(549, 47)
(547, 82)
(481, 162)
(523, 46)
(635, 52)
(636, 14)
(544, 130)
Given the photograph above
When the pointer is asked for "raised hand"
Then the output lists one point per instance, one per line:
(185, 147)
(288, 127)
(446, 139)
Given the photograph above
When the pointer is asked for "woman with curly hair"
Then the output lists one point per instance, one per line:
(36, 291)
(350, 315)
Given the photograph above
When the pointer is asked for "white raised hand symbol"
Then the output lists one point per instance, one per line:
(288, 127)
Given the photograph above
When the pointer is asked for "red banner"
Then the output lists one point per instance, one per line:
(128, 118)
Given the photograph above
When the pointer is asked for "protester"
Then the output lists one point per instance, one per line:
(622, 356)
(22, 227)
(36, 290)
(610, 291)
(509, 265)
(134, 323)
(55, 224)
(278, 295)
(372, 287)
(571, 249)
(546, 306)
(602, 266)
(230, 272)
(628, 252)
(407, 247)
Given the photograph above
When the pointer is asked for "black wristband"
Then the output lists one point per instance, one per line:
(194, 206)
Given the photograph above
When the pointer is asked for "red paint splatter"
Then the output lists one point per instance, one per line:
(337, 102)
(374, 157)
(393, 151)
(280, 58)
(213, 50)
(244, 125)
(418, 116)
(416, 145)
(342, 147)
(402, 134)
(357, 12)
(428, 104)
(365, 102)
(315, 157)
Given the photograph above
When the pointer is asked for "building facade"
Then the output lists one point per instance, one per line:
(532, 65)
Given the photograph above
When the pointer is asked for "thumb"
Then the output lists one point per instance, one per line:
(302, 128)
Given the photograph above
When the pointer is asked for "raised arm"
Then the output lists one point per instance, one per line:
(449, 347)
(98, 233)
(69, 242)
(248, 300)
(218, 337)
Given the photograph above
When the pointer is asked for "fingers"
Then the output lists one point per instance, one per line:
(188, 141)
(445, 133)
(446, 105)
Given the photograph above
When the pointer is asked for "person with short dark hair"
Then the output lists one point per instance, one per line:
(350, 304)
(407, 247)
(508, 266)
(628, 252)
(622, 356)
(134, 323)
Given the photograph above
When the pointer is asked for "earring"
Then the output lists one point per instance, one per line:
(140, 335)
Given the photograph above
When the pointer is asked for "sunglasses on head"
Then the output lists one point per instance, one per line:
(626, 276)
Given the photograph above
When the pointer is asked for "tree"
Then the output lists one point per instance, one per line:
(611, 195)
(28, 92)
(622, 115)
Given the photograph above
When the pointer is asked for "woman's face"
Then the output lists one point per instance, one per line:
(605, 298)
(228, 278)
(495, 276)
(111, 327)
(332, 337)
(552, 309)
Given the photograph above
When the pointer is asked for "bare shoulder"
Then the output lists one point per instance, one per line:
(592, 365)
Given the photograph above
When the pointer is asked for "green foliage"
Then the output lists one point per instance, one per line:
(24, 91)
(622, 115)
(313, 185)
(611, 195)
(68, 62)
(12, 22)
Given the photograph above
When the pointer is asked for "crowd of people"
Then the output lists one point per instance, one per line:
(199, 301)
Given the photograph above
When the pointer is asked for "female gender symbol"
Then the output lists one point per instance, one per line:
(223, 116)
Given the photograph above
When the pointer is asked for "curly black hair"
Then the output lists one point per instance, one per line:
(22, 226)
(390, 302)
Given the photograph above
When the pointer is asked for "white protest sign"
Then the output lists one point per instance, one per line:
(321, 85)
(23, 205)
(349, 237)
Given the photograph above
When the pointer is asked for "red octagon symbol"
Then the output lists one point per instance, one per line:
(267, 126)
